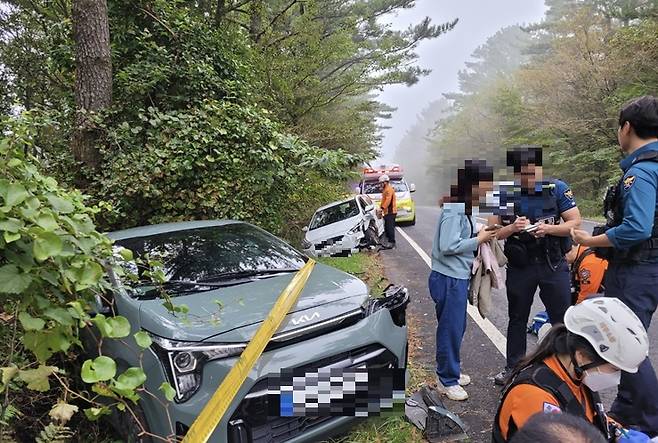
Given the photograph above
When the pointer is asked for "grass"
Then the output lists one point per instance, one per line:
(396, 429)
(363, 265)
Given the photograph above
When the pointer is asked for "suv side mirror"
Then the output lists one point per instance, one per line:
(305, 229)
(412, 188)
(357, 190)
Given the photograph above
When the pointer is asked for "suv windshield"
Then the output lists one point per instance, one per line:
(375, 188)
(334, 214)
(211, 254)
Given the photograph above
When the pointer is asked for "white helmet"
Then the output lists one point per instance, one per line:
(383, 178)
(615, 332)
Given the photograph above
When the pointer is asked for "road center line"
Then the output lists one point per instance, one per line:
(487, 327)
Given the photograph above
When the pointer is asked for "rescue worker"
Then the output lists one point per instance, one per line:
(630, 242)
(389, 210)
(587, 272)
(535, 257)
(453, 252)
(600, 338)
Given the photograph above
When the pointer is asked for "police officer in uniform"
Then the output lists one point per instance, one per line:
(630, 242)
(536, 255)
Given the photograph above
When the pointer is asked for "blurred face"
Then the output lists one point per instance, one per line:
(479, 192)
(529, 175)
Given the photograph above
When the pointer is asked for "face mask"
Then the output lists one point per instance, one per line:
(598, 381)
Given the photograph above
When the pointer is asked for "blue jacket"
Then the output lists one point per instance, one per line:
(454, 244)
(639, 198)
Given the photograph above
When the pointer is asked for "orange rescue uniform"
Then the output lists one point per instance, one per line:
(589, 274)
(525, 400)
(389, 203)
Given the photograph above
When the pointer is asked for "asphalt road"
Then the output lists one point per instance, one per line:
(480, 358)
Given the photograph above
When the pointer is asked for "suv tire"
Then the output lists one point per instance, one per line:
(371, 238)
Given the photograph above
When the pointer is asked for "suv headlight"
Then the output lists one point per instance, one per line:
(357, 228)
(395, 299)
(184, 362)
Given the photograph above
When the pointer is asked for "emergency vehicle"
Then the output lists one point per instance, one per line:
(370, 186)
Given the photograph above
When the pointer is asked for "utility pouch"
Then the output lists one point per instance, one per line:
(517, 254)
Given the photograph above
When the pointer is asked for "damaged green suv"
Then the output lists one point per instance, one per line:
(229, 274)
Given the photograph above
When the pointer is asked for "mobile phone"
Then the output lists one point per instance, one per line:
(493, 227)
(530, 228)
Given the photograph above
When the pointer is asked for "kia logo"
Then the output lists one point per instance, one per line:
(305, 318)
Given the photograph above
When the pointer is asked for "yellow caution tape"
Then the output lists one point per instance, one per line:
(212, 413)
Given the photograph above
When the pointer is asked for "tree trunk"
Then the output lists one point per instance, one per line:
(256, 22)
(93, 75)
(220, 11)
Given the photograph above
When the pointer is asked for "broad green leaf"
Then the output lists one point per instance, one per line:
(60, 315)
(12, 281)
(126, 254)
(30, 323)
(9, 237)
(37, 379)
(16, 194)
(62, 412)
(59, 204)
(120, 327)
(47, 221)
(131, 379)
(12, 225)
(77, 311)
(8, 373)
(100, 369)
(104, 390)
(94, 414)
(47, 245)
(143, 339)
(101, 323)
(47, 342)
(89, 275)
(168, 391)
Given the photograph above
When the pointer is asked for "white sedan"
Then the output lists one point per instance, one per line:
(343, 227)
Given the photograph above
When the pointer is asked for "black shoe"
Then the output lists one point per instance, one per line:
(501, 378)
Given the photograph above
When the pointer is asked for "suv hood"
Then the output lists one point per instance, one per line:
(332, 230)
(234, 313)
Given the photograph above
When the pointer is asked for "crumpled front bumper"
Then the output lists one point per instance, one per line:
(339, 246)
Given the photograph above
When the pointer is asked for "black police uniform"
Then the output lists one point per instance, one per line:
(536, 262)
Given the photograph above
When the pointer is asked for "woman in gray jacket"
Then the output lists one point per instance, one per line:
(455, 246)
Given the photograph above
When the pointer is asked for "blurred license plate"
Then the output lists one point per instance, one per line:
(353, 392)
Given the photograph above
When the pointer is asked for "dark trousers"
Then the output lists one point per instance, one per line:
(389, 227)
(637, 399)
(450, 296)
(554, 291)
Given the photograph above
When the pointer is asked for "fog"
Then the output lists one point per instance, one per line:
(445, 56)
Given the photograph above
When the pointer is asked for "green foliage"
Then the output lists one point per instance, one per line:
(52, 263)
(592, 56)
(220, 160)
(53, 433)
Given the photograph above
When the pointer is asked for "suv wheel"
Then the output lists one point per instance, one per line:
(371, 236)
